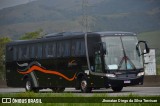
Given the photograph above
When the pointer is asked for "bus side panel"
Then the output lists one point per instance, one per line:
(47, 77)
(13, 78)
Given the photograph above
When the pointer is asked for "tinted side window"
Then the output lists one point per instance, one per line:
(9, 53)
(19, 53)
(73, 47)
(39, 53)
(66, 48)
(26, 52)
(32, 51)
(50, 50)
(78, 47)
(54, 49)
(82, 48)
(23, 52)
(36, 51)
(15, 53)
(60, 48)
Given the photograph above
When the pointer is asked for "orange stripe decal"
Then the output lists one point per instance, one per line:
(36, 68)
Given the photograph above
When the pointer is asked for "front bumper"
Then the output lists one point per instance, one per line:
(125, 81)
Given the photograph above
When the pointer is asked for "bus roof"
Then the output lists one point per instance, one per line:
(70, 35)
(51, 37)
(116, 33)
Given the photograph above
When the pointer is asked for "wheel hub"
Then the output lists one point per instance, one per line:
(28, 85)
(83, 84)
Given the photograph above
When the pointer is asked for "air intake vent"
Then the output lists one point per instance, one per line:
(63, 34)
(52, 35)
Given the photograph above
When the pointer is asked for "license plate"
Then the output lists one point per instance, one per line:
(127, 82)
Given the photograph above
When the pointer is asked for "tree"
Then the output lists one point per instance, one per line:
(31, 35)
(3, 42)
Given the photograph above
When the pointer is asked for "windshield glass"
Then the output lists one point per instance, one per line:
(121, 53)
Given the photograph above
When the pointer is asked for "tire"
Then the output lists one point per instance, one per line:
(29, 86)
(84, 86)
(58, 89)
(117, 89)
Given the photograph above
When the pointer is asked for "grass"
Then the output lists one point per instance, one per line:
(85, 104)
(31, 94)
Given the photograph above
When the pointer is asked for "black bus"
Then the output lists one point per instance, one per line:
(73, 59)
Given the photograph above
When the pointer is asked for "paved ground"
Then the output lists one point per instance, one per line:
(144, 91)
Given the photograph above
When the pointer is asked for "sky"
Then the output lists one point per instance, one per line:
(10, 3)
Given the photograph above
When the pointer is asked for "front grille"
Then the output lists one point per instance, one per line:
(126, 75)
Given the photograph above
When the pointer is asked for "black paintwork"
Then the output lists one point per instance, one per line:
(58, 62)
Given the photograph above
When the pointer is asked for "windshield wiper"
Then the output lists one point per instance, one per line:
(125, 58)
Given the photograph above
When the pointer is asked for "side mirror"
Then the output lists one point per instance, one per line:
(147, 48)
(145, 45)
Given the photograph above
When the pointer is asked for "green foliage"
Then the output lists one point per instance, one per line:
(3, 41)
(31, 35)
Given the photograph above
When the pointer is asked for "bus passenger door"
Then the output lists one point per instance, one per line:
(98, 78)
(98, 63)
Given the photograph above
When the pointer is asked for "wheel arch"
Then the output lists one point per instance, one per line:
(31, 76)
(25, 77)
(80, 75)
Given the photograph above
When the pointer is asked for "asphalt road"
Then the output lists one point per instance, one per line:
(143, 91)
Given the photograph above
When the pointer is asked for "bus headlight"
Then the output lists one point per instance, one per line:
(140, 74)
(110, 75)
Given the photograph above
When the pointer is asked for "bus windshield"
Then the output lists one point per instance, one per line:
(121, 53)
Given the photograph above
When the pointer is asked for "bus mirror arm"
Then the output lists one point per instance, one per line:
(146, 47)
(137, 49)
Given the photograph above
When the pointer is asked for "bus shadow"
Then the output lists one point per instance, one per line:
(78, 91)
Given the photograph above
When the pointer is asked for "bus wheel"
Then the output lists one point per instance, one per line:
(84, 87)
(58, 89)
(29, 86)
(117, 89)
